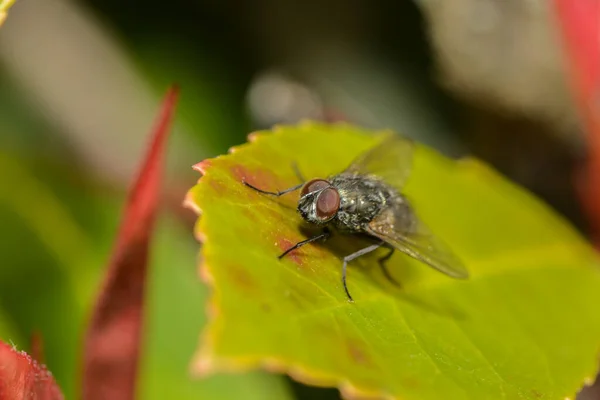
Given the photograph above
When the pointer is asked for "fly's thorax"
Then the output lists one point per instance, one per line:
(361, 199)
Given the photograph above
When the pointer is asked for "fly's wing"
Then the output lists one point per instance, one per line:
(390, 160)
(401, 228)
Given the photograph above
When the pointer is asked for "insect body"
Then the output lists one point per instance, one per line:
(366, 199)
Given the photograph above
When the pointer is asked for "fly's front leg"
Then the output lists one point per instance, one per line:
(326, 234)
(282, 192)
(278, 193)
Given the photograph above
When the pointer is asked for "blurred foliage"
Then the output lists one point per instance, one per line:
(21, 377)
(4, 6)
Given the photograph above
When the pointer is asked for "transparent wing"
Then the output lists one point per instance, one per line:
(390, 160)
(401, 228)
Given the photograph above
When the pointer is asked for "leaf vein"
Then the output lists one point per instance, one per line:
(425, 351)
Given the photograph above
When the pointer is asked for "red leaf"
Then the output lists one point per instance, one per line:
(37, 347)
(21, 377)
(112, 344)
(580, 29)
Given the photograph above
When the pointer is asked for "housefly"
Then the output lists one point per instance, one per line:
(366, 199)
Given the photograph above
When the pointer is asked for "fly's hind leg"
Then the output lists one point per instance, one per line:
(351, 257)
(382, 265)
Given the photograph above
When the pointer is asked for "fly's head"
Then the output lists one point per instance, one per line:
(319, 202)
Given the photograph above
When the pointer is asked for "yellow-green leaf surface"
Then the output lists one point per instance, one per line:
(524, 325)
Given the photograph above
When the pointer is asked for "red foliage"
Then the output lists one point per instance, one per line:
(21, 377)
(112, 343)
(580, 28)
(37, 347)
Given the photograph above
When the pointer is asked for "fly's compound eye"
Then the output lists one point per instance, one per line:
(314, 186)
(328, 204)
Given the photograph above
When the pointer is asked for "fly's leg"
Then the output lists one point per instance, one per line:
(351, 257)
(281, 193)
(384, 269)
(326, 234)
(278, 193)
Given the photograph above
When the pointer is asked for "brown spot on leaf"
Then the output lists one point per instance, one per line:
(411, 382)
(265, 307)
(294, 255)
(536, 394)
(217, 186)
(260, 178)
(282, 215)
(242, 279)
(357, 352)
(240, 173)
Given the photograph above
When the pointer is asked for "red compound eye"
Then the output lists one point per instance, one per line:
(328, 203)
(314, 185)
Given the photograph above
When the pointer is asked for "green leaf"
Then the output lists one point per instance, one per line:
(44, 286)
(8, 332)
(525, 325)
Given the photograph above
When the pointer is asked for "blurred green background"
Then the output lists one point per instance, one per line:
(80, 83)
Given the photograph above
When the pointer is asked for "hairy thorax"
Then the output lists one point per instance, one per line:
(361, 200)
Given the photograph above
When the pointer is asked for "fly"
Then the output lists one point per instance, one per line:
(366, 199)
